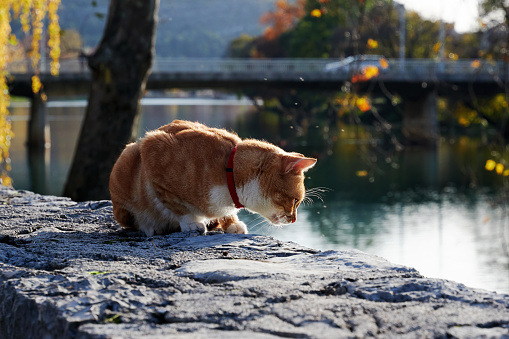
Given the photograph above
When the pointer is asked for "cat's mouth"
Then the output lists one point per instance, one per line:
(282, 219)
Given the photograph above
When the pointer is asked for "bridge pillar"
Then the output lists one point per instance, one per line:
(38, 131)
(38, 138)
(420, 124)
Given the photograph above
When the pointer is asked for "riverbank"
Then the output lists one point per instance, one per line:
(68, 270)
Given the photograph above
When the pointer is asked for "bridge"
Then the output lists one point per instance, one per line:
(417, 81)
(226, 73)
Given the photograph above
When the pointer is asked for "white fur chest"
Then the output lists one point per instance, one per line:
(221, 203)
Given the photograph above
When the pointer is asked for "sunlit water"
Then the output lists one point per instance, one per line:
(429, 209)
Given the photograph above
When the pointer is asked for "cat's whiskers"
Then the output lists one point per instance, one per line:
(264, 226)
(257, 221)
(268, 228)
(307, 201)
(315, 192)
(258, 217)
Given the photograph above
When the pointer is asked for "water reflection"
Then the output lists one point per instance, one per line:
(38, 162)
(429, 209)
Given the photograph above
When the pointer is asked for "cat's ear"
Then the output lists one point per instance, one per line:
(297, 164)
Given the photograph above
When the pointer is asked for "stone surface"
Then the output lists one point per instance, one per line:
(67, 270)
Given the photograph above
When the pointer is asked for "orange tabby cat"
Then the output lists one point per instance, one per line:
(186, 176)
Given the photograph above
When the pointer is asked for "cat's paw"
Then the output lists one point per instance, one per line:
(193, 226)
(237, 228)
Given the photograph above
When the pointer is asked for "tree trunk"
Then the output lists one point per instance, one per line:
(120, 67)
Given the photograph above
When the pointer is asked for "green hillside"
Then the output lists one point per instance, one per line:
(187, 28)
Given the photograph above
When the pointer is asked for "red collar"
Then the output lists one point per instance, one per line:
(231, 182)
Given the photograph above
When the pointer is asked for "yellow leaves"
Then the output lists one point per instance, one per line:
(25, 15)
(16, 6)
(316, 13)
(353, 103)
(500, 101)
(5, 180)
(463, 121)
(99, 272)
(371, 71)
(115, 319)
(465, 115)
(384, 63)
(54, 36)
(475, 64)
(36, 84)
(31, 14)
(5, 126)
(362, 173)
(36, 87)
(39, 12)
(436, 47)
(5, 134)
(363, 104)
(498, 167)
(490, 165)
(366, 73)
(12, 40)
(372, 44)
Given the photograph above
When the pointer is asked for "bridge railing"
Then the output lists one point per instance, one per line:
(73, 65)
(191, 65)
(309, 68)
(432, 68)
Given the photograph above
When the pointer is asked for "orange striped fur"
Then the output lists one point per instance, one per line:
(174, 179)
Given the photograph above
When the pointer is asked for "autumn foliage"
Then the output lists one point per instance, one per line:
(282, 18)
(366, 74)
(31, 14)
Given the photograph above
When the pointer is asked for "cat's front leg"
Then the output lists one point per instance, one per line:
(232, 224)
(237, 228)
(190, 223)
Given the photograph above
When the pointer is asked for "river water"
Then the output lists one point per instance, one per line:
(436, 210)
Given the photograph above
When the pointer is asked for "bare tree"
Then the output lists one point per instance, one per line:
(120, 68)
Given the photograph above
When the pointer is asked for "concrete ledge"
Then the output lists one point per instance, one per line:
(67, 270)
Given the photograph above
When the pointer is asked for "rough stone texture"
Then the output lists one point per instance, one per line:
(67, 270)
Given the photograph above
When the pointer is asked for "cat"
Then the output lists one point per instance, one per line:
(186, 176)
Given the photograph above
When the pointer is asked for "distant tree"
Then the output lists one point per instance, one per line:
(491, 6)
(284, 17)
(495, 30)
(239, 47)
(321, 28)
(465, 45)
(495, 45)
(422, 37)
(71, 42)
(339, 28)
(120, 67)
(196, 43)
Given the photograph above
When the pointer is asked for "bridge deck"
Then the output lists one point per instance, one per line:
(238, 73)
